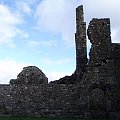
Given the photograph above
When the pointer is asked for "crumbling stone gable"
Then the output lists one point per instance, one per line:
(30, 75)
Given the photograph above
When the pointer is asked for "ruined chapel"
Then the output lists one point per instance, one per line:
(93, 90)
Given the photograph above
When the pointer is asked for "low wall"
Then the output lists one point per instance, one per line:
(44, 100)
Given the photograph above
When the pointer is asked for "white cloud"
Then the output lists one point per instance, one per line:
(48, 43)
(58, 16)
(8, 22)
(9, 69)
(57, 62)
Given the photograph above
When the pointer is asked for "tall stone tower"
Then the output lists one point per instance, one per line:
(80, 40)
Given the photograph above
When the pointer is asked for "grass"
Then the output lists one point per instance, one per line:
(35, 118)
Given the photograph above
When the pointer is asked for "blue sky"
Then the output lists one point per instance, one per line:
(41, 33)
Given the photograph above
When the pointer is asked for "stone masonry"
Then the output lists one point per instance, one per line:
(93, 90)
(80, 39)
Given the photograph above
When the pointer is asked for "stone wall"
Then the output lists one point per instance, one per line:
(38, 100)
(44, 100)
(103, 68)
(93, 90)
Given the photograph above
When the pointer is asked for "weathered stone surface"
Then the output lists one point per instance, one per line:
(93, 90)
(80, 40)
(103, 73)
(30, 75)
(52, 100)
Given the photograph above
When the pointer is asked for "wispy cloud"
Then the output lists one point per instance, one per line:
(24, 7)
(48, 43)
(32, 2)
(55, 62)
(22, 34)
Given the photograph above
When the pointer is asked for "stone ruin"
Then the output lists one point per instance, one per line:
(93, 90)
(30, 75)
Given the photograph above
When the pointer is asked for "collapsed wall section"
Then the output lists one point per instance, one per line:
(31, 95)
